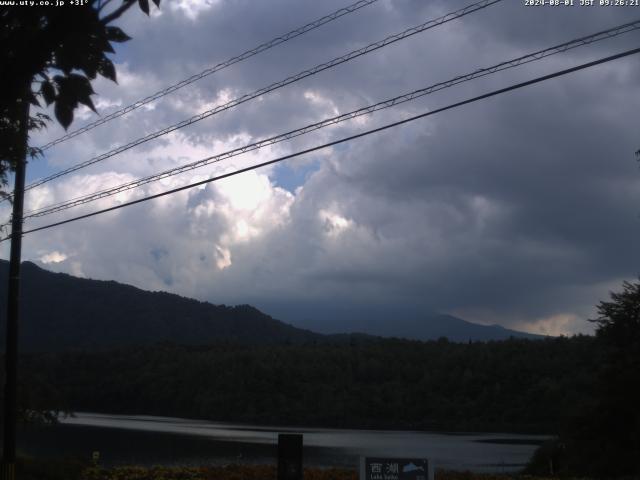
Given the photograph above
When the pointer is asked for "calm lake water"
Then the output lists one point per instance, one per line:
(147, 440)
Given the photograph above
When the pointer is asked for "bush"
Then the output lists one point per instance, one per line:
(28, 468)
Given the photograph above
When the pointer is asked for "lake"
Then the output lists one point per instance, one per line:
(148, 440)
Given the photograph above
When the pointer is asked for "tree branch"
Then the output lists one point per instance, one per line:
(104, 4)
(126, 5)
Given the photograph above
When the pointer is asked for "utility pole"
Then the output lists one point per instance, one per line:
(8, 471)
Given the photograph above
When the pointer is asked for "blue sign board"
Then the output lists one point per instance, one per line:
(381, 468)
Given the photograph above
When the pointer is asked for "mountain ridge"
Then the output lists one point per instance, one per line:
(399, 321)
(56, 308)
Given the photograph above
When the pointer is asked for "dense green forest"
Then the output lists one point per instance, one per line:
(520, 385)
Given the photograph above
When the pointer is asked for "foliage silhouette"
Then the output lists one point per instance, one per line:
(51, 54)
(602, 437)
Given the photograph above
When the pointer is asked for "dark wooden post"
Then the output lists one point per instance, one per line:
(289, 456)
(7, 472)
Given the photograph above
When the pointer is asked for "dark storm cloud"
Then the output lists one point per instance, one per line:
(515, 209)
(557, 160)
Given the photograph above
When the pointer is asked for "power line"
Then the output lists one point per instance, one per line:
(220, 66)
(342, 140)
(535, 56)
(274, 86)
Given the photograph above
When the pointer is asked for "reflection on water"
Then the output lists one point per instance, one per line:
(150, 440)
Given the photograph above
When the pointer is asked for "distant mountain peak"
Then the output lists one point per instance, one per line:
(60, 312)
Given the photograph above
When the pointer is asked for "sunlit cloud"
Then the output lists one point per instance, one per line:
(53, 257)
(501, 212)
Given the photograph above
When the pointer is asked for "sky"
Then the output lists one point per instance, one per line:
(521, 210)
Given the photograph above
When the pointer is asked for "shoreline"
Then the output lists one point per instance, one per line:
(270, 427)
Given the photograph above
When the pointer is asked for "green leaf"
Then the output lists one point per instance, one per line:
(88, 102)
(115, 34)
(74, 89)
(64, 113)
(90, 67)
(79, 84)
(48, 92)
(157, 3)
(106, 69)
(144, 6)
(105, 46)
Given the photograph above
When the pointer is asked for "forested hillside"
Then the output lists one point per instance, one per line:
(520, 385)
(61, 312)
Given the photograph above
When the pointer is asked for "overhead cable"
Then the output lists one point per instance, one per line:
(211, 70)
(337, 142)
(531, 57)
(274, 86)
